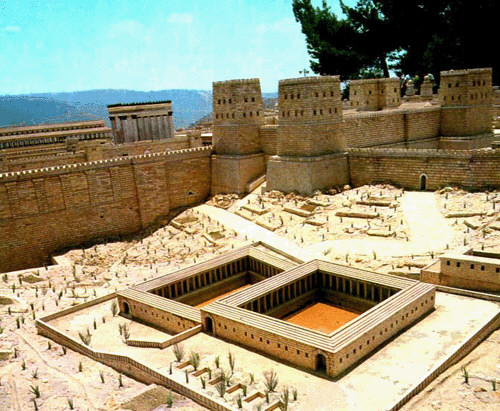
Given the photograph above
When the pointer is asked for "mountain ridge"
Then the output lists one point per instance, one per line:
(29, 109)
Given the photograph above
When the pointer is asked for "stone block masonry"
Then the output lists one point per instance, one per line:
(369, 129)
(426, 169)
(310, 141)
(466, 97)
(375, 94)
(238, 115)
(310, 117)
(44, 210)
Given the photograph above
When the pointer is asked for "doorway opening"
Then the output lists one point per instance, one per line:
(423, 182)
(320, 363)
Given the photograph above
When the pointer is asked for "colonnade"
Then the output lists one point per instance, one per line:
(49, 140)
(191, 283)
(355, 287)
(350, 286)
(284, 294)
(265, 270)
(142, 127)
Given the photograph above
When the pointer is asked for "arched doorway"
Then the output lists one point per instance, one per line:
(320, 363)
(423, 182)
(126, 308)
(209, 325)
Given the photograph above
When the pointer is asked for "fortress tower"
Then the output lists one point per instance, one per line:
(238, 114)
(466, 101)
(141, 121)
(310, 146)
(374, 94)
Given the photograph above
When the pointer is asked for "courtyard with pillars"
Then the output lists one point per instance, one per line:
(273, 304)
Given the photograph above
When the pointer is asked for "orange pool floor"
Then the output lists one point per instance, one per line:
(321, 317)
(222, 295)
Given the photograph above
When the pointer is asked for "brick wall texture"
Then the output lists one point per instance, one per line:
(310, 117)
(44, 210)
(238, 113)
(476, 169)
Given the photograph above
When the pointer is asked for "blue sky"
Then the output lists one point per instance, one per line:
(69, 45)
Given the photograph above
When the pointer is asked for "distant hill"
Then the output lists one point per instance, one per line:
(188, 105)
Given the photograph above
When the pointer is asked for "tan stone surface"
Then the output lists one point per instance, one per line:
(321, 317)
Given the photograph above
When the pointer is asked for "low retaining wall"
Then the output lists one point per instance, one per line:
(78, 307)
(122, 363)
(471, 343)
(168, 342)
(128, 366)
(469, 293)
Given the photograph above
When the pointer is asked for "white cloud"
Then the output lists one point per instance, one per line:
(180, 18)
(12, 29)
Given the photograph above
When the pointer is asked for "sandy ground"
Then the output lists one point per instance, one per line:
(93, 271)
(321, 317)
(450, 391)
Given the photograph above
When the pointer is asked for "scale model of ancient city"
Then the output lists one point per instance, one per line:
(318, 255)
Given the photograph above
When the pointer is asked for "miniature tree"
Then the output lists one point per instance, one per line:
(270, 380)
(194, 360)
(178, 351)
(114, 308)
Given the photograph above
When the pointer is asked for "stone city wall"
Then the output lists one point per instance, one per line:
(46, 209)
(268, 138)
(391, 127)
(476, 169)
(39, 157)
(232, 174)
(39, 160)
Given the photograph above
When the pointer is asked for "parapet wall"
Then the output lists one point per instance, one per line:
(367, 129)
(44, 210)
(471, 169)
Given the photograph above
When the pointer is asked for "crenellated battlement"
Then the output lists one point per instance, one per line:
(308, 80)
(483, 70)
(237, 82)
(423, 153)
(168, 156)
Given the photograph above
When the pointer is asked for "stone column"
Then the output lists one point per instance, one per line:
(170, 126)
(140, 128)
(157, 128)
(163, 127)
